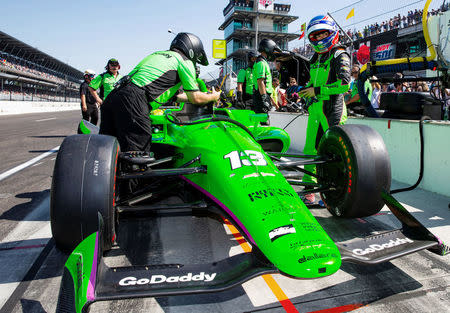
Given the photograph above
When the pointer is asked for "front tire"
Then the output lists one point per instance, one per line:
(83, 185)
(361, 173)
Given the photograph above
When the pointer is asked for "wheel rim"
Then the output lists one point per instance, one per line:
(335, 174)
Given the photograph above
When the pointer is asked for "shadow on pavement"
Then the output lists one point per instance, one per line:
(20, 211)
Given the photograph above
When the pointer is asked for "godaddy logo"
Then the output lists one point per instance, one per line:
(378, 247)
(158, 279)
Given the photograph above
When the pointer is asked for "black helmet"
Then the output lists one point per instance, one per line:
(251, 54)
(270, 47)
(191, 46)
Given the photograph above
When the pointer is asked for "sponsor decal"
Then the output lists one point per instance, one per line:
(274, 211)
(306, 244)
(158, 279)
(271, 192)
(311, 227)
(281, 231)
(315, 256)
(164, 54)
(265, 5)
(378, 247)
(251, 175)
(384, 52)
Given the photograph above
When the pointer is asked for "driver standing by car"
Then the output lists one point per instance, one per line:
(153, 82)
(330, 78)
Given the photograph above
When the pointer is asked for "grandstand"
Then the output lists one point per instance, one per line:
(391, 34)
(27, 74)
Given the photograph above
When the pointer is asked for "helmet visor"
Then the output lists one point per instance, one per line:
(319, 35)
(202, 58)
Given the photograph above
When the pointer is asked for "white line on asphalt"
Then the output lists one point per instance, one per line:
(26, 164)
(37, 164)
(46, 119)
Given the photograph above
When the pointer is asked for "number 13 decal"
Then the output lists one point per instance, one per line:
(245, 158)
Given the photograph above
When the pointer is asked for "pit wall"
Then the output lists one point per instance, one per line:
(402, 140)
(22, 107)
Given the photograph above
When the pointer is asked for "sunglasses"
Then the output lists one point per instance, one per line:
(114, 64)
(355, 72)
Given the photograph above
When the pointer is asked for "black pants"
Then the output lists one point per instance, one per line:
(91, 114)
(125, 115)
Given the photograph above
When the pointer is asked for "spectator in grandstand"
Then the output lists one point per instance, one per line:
(392, 87)
(404, 21)
(275, 97)
(89, 109)
(376, 93)
(105, 81)
(293, 90)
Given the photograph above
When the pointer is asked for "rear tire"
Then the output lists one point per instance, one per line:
(83, 185)
(362, 172)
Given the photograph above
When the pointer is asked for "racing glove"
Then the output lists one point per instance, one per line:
(266, 104)
(240, 100)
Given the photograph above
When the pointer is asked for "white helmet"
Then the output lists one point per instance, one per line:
(89, 72)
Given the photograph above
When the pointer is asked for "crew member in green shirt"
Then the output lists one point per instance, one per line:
(262, 77)
(153, 82)
(245, 82)
(105, 81)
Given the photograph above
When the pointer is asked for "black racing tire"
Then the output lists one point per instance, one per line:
(362, 172)
(83, 185)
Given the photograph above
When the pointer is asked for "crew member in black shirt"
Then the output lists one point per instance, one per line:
(89, 108)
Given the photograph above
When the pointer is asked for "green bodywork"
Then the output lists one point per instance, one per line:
(244, 182)
(82, 265)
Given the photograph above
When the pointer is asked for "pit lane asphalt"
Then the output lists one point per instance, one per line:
(30, 267)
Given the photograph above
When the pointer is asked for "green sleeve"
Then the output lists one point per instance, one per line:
(241, 76)
(259, 71)
(96, 82)
(201, 85)
(186, 71)
(335, 88)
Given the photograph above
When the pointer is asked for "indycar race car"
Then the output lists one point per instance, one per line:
(223, 163)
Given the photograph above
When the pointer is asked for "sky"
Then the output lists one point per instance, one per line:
(85, 34)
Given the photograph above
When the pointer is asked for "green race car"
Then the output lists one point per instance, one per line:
(225, 163)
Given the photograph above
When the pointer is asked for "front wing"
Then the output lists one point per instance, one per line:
(87, 279)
